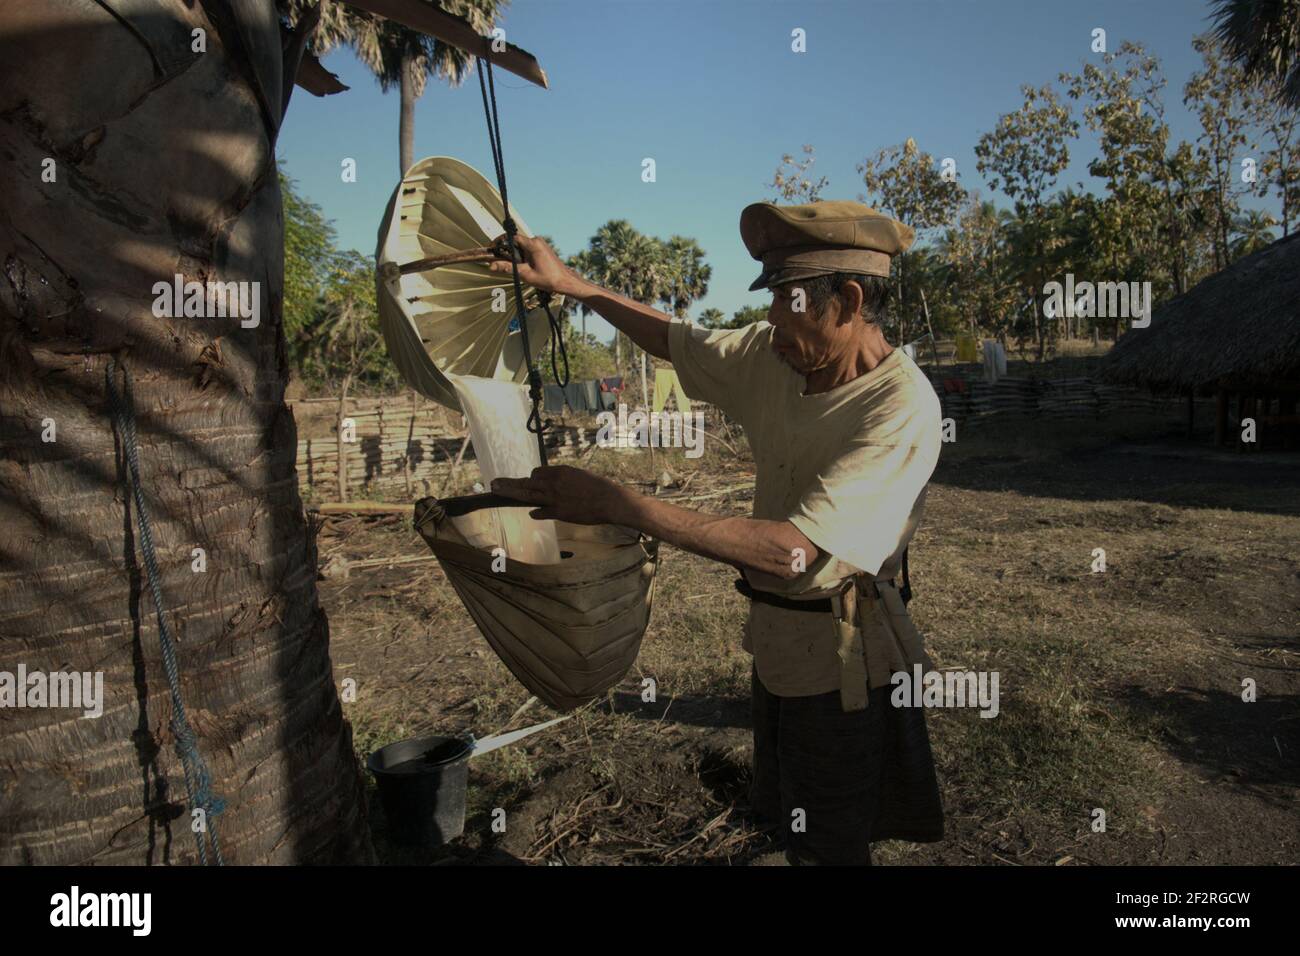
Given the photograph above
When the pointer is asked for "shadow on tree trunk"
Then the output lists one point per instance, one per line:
(128, 159)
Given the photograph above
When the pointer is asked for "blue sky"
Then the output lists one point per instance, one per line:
(712, 91)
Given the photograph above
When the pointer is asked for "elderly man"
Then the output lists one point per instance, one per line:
(845, 435)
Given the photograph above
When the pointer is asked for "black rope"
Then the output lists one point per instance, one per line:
(557, 342)
(536, 425)
(198, 782)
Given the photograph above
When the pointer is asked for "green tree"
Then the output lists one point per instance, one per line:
(685, 274)
(620, 258)
(588, 357)
(1279, 173)
(1217, 94)
(932, 290)
(712, 318)
(747, 315)
(1253, 230)
(1075, 244)
(331, 323)
(907, 183)
(1155, 215)
(791, 182)
(1022, 156)
(979, 268)
(308, 250)
(345, 343)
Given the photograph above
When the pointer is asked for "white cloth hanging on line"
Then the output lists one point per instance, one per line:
(995, 361)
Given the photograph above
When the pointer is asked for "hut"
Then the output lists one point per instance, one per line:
(1235, 335)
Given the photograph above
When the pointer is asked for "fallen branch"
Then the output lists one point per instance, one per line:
(340, 567)
(711, 494)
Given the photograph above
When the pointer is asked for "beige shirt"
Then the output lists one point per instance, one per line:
(846, 467)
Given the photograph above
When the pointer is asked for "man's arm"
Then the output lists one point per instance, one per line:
(772, 547)
(543, 269)
(579, 497)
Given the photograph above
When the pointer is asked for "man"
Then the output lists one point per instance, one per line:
(845, 435)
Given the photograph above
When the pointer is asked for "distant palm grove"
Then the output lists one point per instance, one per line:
(1169, 213)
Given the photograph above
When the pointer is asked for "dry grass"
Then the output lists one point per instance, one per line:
(1119, 691)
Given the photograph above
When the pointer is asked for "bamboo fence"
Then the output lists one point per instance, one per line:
(408, 447)
(400, 446)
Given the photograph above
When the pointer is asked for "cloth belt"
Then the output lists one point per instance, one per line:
(843, 605)
(821, 605)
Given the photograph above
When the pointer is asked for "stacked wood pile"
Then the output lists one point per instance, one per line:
(1056, 399)
(395, 442)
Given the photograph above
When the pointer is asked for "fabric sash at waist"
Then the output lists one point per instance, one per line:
(822, 605)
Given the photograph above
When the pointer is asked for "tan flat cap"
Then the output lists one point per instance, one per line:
(798, 242)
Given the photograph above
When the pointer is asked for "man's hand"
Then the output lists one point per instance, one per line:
(566, 493)
(579, 497)
(541, 267)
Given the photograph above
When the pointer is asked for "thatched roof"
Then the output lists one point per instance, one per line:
(1240, 324)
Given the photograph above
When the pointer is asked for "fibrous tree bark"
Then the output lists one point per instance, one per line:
(137, 144)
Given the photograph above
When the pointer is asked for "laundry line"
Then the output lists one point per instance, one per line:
(597, 395)
(587, 397)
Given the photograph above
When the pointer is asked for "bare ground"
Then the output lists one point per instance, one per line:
(1120, 691)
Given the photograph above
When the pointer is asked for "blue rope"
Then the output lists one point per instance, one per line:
(198, 782)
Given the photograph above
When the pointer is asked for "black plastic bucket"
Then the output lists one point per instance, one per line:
(422, 788)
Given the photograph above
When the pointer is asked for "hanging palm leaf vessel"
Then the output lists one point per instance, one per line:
(568, 627)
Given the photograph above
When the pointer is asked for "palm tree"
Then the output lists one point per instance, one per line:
(398, 55)
(619, 257)
(1253, 230)
(217, 446)
(1264, 39)
(686, 274)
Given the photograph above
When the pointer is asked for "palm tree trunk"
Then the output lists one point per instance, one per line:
(406, 126)
(165, 165)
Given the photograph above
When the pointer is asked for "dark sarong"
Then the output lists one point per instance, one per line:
(859, 777)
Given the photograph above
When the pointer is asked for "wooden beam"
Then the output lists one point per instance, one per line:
(317, 80)
(425, 17)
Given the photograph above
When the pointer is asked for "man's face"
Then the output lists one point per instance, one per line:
(804, 338)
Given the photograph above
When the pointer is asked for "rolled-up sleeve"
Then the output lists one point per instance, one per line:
(860, 506)
(717, 366)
